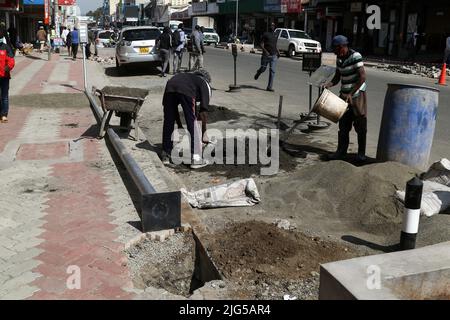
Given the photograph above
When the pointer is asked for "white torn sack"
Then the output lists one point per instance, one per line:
(436, 189)
(242, 193)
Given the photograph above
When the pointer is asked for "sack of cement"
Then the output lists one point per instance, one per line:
(436, 189)
(435, 198)
(242, 193)
(439, 172)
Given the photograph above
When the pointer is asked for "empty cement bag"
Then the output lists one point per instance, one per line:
(436, 189)
(242, 193)
(439, 172)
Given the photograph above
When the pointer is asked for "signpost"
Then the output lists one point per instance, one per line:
(234, 51)
(311, 62)
(84, 40)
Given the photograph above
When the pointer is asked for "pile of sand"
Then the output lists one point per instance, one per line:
(338, 193)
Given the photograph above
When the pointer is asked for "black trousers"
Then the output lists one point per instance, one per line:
(348, 120)
(171, 101)
(74, 50)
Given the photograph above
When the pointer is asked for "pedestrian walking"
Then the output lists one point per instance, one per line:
(186, 89)
(447, 51)
(197, 49)
(6, 65)
(52, 38)
(75, 37)
(41, 36)
(350, 72)
(164, 45)
(269, 56)
(69, 43)
(179, 40)
(91, 40)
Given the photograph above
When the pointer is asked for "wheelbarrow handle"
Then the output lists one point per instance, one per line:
(101, 95)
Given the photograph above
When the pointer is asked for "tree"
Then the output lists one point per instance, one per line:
(96, 14)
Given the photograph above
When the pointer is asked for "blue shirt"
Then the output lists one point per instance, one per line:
(75, 37)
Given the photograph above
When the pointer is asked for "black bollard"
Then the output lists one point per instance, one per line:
(280, 108)
(411, 216)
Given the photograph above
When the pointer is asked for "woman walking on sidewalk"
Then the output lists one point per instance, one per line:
(6, 65)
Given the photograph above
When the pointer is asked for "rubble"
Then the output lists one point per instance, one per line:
(284, 224)
(105, 60)
(415, 68)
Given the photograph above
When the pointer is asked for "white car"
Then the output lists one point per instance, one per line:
(137, 45)
(294, 42)
(103, 38)
(210, 36)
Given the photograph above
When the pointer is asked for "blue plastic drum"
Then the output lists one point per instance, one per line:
(407, 126)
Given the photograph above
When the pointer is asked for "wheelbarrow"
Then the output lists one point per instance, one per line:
(125, 102)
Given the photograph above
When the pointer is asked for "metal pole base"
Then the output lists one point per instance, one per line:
(234, 88)
(322, 125)
(407, 241)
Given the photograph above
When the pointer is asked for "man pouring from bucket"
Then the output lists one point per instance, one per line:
(350, 71)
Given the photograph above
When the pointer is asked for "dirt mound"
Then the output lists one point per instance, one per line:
(342, 194)
(257, 250)
(261, 261)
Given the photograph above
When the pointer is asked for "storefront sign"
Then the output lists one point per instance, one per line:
(9, 4)
(356, 7)
(291, 6)
(67, 2)
(47, 12)
(199, 6)
(311, 61)
(272, 6)
(334, 12)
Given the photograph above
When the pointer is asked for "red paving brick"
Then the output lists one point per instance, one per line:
(76, 74)
(21, 64)
(78, 228)
(43, 151)
(79, 232)
(77, 123)
(11, 130)
(35, 85)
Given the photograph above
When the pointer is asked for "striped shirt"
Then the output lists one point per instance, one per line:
(348, 68)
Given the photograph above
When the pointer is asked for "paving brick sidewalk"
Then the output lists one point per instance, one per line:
(63, 205)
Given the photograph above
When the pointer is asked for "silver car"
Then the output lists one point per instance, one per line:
(137, 45)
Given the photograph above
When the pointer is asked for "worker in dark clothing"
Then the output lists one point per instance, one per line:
(164, 45)
(186, 89)
(269, 56)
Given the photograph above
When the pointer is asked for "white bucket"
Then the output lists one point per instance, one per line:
(330, 106)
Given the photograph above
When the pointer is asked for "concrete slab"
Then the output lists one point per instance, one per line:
(422, 274)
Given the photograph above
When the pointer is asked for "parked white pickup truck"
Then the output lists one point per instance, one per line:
(293, 42)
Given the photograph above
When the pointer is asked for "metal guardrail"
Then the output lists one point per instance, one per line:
(159, 211)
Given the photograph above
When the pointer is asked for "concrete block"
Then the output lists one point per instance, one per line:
(422, 273)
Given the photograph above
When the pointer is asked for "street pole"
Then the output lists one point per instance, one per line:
(83, 46)
(306, 21)
(237, 19)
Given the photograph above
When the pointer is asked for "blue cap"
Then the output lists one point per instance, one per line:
(339, 41)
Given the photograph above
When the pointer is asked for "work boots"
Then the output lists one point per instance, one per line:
(361, 157)
(343, 141)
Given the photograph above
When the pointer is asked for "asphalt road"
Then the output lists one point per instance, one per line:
(291, 82)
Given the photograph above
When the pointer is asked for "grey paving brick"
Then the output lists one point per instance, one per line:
(21, 293)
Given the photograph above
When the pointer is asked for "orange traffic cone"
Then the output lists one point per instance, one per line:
(443, 75)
